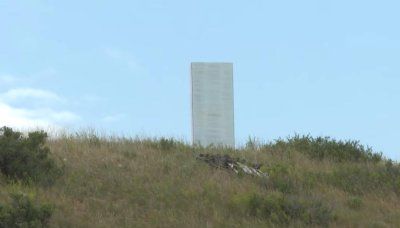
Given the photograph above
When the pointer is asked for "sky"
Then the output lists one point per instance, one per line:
(324, 68)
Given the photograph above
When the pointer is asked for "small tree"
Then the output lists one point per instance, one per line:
(26, 158)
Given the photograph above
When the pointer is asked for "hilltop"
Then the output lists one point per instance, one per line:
(121, 182)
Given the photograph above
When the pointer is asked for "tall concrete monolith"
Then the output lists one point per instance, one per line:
(212, 104)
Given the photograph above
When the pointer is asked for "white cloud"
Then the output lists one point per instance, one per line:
(29, 93)
(32, 118)
(18, 118)
(52, 116)
(43, 116)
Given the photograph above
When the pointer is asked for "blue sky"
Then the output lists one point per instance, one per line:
(321, 67)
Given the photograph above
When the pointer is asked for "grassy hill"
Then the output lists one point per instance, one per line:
(116, 182)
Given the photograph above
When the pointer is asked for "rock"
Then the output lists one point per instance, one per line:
(234, 164)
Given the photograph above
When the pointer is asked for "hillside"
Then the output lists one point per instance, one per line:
(115, 182)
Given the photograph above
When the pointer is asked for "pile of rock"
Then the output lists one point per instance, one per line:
(235, 164)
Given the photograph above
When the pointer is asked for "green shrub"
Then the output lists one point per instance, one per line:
(281, 178)
(360, 179)
(287, 178)
(283, 209)
(26, 158)
(392, 171)
(309, 180)
(24, 212)
(166, 144)
(355, 203)
(327, 148)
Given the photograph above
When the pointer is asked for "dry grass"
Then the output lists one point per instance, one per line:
(144, 183)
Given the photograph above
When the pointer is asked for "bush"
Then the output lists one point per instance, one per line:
(282, 209)
(355, 203)
(361, 179)
(281, 177)
(327, 148)
(166, 144)
(392, 171)
(26, 158)
(24, 212)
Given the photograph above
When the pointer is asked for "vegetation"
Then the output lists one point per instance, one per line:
(122, 182)
(326, 148)
(26, 158)
(24, 212)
